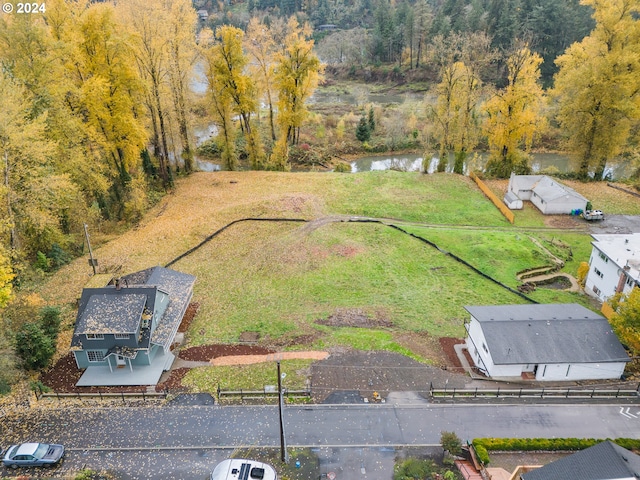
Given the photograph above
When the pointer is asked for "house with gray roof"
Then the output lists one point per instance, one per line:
(124, 331)
(604, 461)
(546, 193)
(554, 342)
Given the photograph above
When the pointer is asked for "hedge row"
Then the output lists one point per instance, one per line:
(482, 445)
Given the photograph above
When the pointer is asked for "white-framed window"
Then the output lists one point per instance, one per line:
(121, 336)
(596, 290)
(484, 347)
(603, 257)
(598, 272)
(629, 281)
(95, 336)
(95, 355)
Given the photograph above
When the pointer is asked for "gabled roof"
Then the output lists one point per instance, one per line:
(545, 187)
(555, 333)
(119, 309)
(604, 461)
(109, 311)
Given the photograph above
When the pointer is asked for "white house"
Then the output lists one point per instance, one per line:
(549, 195)
(546, 342)
(614, 265)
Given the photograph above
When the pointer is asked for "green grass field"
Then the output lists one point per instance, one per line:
(278, 279)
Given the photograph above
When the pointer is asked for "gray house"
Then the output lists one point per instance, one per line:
(549, 195)
(604, 461)
(124, 331)
(558, 342)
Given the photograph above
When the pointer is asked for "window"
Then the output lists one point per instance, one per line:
(596, 290)
(121, 336)
(95, 336)
(598, 272)
(484, 347)
(95, 355)
(603, 257)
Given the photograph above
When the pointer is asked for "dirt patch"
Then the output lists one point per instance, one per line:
(251, 359)
(355, 318)
(174, 382)
(569, 222)
(249, 337)
(64, 374)
(447, 344)
(204, 353)
(189, 315)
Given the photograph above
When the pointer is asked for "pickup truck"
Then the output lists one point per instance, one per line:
(591, 215)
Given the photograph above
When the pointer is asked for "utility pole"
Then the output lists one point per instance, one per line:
(284, 456)
(92, 261)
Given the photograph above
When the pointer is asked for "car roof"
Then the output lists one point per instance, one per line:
(27, 449)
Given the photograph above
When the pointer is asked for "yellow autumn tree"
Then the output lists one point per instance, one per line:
(233, 85)
(514, 115)
(261, 43)
(298, 71)
(597, 86)
(626, 319)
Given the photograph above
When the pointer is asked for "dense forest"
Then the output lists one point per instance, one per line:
(97, 109)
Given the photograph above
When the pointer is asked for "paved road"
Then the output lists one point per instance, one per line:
(152, 440)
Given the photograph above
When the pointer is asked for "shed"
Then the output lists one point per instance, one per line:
(512, 201)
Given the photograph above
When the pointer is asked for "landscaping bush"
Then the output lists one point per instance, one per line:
(451, 442)
(34, 347)
(414, 469)
(482, 454)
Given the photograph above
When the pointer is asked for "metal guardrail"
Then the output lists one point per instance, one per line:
(533, 393)
(124, 396)
(264, 393)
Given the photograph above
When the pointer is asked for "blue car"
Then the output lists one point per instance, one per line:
(33, 455)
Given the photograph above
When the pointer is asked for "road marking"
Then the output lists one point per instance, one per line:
(627, 413)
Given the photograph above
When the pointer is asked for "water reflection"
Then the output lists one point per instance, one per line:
(539, 162)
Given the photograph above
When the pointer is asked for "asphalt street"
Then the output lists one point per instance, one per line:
(187, 441)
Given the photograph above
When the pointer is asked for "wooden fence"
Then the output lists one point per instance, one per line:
(508, 214)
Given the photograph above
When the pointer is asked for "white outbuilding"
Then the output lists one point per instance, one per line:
(553, 342)
(547, 194)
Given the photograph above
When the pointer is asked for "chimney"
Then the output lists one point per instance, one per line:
(118, 283)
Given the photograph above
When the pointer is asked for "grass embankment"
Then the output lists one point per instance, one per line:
(277, 279)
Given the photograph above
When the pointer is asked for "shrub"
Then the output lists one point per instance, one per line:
(451, 442)
(413, 468)
(482, 454)
(342, 167)
(49, 320)
(34, 347)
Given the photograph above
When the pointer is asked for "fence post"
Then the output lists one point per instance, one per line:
(454, 393)
(592, 392)
(520, 393)
(567, 395)
(475, 394)
(498, 392)
(144, 399)
(100, 393)
(123, 401)
(542, 393)
(617, 392)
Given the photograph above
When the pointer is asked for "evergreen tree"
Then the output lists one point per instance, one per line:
(363, 133)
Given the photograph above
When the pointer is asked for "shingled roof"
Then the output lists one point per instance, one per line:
(112, 309)
(559, 333)
(604, 461)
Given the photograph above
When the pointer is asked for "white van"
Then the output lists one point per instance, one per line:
(243, 469)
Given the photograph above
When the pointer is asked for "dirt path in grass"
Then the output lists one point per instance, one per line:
(271, 357)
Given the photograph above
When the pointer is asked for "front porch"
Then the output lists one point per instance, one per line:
(103, 376)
